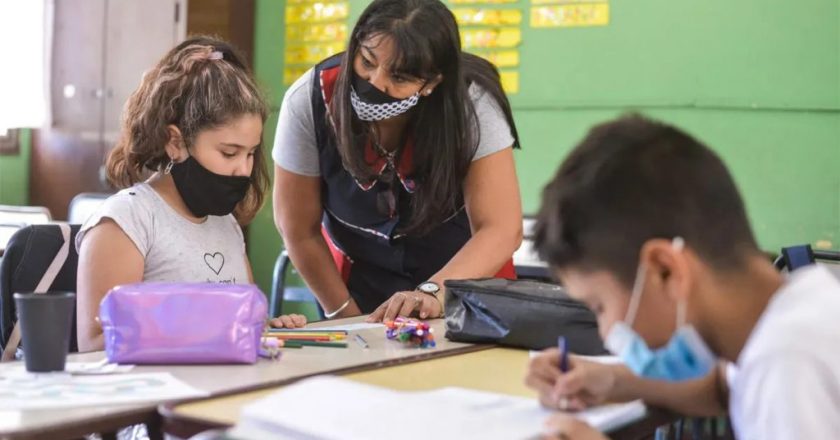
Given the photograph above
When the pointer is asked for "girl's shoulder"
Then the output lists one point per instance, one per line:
(139, 197)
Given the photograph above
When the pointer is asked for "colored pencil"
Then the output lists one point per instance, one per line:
(306, 330)
(295, 344)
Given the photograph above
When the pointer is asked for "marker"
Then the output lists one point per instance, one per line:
(361, 341)
(564, 354)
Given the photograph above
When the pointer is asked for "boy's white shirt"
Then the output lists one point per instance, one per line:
(786, 384)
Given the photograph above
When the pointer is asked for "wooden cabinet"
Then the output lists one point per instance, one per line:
(100, 49)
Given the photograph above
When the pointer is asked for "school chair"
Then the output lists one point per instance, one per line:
(795, 257)
(28, 215)
(84, 205)
(29, 253)
(526, 262)
(303, 299)
(7, 230)
(13, 218)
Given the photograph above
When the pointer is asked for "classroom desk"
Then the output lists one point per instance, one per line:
(500, 370)
(220, 380)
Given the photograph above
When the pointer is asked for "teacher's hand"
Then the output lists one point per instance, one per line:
(407, 304)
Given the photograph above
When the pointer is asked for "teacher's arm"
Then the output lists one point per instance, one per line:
(297, 214)
(494, 207)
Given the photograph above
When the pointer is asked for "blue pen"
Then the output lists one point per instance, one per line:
(564, 354)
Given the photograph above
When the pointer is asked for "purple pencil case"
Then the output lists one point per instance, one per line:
(183, 323)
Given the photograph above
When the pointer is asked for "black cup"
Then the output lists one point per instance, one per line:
(45, 320)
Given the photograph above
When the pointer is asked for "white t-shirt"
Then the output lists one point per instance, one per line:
(787, 381)
(174, 248)
(295, 148)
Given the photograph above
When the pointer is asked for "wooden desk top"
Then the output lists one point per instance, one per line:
(499, 370)
(226, 379)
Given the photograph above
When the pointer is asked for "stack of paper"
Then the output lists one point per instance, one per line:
(333, 408)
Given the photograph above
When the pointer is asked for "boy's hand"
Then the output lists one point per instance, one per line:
(565, 427)
(584, 385)
(288, 321)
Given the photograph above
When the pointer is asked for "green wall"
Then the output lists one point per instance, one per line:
(757, 80)
(14, 174)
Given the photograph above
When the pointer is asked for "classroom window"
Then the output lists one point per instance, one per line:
(24, 52)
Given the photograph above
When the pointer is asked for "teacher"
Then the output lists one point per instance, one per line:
(394, 168)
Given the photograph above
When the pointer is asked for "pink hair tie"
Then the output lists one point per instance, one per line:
(215, 55)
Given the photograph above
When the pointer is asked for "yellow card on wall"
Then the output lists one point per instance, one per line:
(488, 17)
(554, 2)
(308, 33)
(510, 81)
(571, 15)
(490, 38)
(292, 73)
(311, 53)
(305, 13)
(501, 58)
(487, 2)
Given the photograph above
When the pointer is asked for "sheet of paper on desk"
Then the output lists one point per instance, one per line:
(75, 368)
(50, 391)
(298, 411)
(350, 327)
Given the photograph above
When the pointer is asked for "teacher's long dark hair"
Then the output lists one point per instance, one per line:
(427, 44)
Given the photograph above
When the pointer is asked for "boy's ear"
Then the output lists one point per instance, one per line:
(175, 145)
(669, 267)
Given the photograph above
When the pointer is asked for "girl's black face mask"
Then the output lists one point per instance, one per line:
(205, 192)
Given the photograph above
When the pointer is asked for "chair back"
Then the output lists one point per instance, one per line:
(29, 253)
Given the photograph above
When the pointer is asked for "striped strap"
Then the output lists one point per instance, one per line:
(44, 285)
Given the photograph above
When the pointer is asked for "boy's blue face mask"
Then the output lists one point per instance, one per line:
(684, 357)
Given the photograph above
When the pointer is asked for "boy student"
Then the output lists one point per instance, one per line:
(644, 224)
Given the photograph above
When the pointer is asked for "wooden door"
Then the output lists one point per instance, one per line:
(66, 156)
(100, 50)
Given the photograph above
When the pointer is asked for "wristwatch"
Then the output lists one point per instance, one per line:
(429, 287)
(432, 288)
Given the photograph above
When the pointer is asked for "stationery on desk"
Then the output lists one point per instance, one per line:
(564, 354)
(298, 338)
(296, 412)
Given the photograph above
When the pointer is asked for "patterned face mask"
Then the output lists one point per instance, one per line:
(371, 104)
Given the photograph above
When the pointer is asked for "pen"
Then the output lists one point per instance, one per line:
(361, 340)
(564, 354)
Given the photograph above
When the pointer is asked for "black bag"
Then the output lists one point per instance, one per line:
(519, 313)
(27, 256)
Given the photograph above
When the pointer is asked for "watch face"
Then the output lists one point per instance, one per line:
(429, 287)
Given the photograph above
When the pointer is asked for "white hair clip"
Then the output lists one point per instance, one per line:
(215, 55)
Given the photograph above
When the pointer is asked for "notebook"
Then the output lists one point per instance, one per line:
(327, 407)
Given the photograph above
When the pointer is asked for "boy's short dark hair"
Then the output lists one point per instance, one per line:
(634, 179)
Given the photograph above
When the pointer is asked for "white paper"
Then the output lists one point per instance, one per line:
(75, 368)
(91, 368)
(604, 359)
(349, 327)
(366, 412)
(50, 391)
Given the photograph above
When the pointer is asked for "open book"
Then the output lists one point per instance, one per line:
(328, 407)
